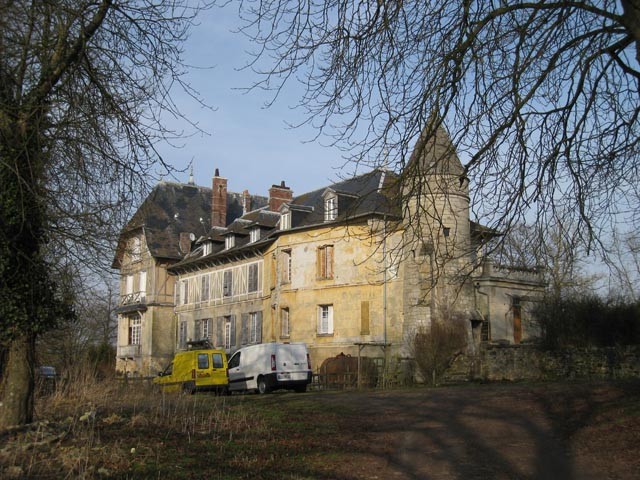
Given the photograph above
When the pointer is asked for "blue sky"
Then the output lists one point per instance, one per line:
(251, 145)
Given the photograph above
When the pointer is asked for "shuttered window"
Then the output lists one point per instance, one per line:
(253, 278)
(325, 262)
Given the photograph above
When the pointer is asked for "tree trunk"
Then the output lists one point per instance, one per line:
(17, 392)
(632, 21)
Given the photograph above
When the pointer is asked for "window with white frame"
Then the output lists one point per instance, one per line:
(142, 284)
(227, 333)
(325, 319)
(207, 248)
(285, 221)
(254, 325)
(254, 234)
(182, 334)
(284, 323)
(205, 283)
(135, 330)
(184, 292)
(330, 208)
(128, 284)
(229, 241)
(205, 326)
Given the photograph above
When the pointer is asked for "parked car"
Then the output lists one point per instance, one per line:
(46, 379)
(270, 366)
(200, 369)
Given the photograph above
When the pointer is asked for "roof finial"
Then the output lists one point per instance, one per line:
(191, 181)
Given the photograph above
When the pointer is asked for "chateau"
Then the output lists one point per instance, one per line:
(357, 267)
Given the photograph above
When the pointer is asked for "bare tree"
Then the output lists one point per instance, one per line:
(541, 99)
(625, 262)
(566, 268)
(83, 85)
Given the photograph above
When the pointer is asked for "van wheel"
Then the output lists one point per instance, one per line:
(188, 388)
(262, 386)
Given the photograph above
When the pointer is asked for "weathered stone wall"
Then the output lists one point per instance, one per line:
(527, 362)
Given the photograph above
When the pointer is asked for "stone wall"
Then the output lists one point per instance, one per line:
(527, 362)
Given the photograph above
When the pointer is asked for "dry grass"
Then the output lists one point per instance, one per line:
(87, 429)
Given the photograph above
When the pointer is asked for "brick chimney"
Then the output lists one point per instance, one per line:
(278, 195)
(219, 201)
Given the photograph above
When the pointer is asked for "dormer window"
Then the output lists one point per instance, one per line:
(254, 235)
(285, 221)
(330, 207)
(229, 241)
(136, 249)
(207, 248)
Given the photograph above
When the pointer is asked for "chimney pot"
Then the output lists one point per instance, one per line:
(279, 195)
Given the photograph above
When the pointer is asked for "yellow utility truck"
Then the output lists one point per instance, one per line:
(196, 370)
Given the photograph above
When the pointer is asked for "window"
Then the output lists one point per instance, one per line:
(229, 241)
(182, 291)
(325, 320)
(227, 335)
(284, 323)
(227, 283)
(325, 262)
(207, 248)
(182, 334)
(226, 331)
(205, 326)
(142, 284)
(253, 327)
(254, 235)
(204, 288)
(128, 284)
(286, 266)
(330, 208)
(203, 361)
(253, 278)
(285, 221)
(135, 249)
(234, 361)
(251, 331)
(217, 361)
(135, 330)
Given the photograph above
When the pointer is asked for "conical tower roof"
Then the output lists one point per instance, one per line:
(434, 153)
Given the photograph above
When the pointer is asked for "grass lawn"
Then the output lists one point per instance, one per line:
(115, 431)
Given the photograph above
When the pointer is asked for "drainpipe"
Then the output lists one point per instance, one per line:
(384, 278)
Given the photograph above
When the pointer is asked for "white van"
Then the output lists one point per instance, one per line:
(270, 366)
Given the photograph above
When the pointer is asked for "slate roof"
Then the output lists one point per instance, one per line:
(174, 208)
(371, 193)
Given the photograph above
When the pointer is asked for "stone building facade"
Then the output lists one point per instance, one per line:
(356, 267)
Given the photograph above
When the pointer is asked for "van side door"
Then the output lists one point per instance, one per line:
(236, 376)
(219, 372)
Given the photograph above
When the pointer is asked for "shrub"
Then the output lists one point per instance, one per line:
(587, 321)
(434, 348)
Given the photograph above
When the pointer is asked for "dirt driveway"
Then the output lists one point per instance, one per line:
(498, 432)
